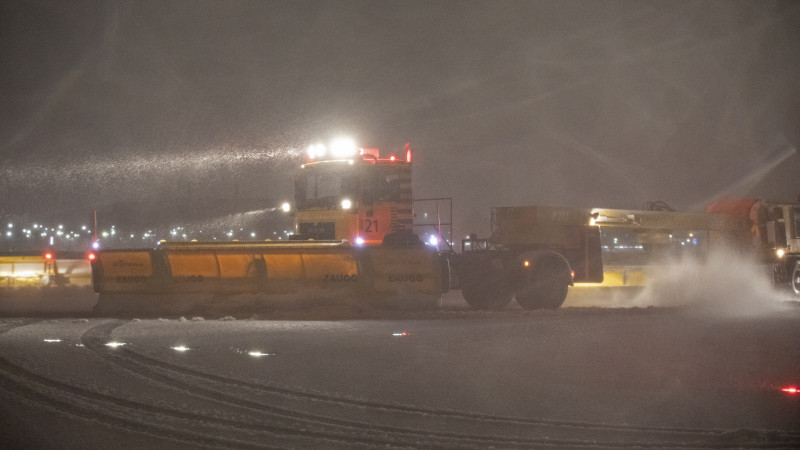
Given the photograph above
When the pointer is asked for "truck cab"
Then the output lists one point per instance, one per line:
(353, 194)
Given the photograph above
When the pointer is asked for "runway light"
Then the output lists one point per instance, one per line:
(791, 390)
(114, 344)
(258, 354)
(401, 334)
(181, 348)
(52, 340)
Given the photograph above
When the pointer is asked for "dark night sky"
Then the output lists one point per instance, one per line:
(582, 103)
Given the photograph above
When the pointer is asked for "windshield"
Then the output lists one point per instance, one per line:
(324, 186)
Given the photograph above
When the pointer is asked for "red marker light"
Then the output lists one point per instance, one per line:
(393, 158)
(408, 155)
(91, 256)
(791, 390)
(48, 255)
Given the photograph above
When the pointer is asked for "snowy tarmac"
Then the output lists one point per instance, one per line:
(455, 378)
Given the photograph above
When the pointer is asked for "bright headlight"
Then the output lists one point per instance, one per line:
(347, 204)
(780, 252)
(343, 148)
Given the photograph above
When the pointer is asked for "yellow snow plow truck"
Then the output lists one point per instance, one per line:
(354, 239)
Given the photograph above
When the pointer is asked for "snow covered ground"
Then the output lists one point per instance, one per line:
(698, 358)
(576, 377)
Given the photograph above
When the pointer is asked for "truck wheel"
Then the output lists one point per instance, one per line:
(547, 288)
(796, 279)
(485, 284)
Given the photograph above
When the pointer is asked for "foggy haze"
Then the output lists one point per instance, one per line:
(607, 103)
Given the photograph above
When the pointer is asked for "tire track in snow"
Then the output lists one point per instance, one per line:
(621, 435)
(354, 431)
(123, 413)
(68, 400)
(128, 414)
(92, 405)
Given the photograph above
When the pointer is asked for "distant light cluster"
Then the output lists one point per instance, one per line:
(43, 232)
(38, 236)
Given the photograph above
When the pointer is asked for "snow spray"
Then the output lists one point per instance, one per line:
(723, 282)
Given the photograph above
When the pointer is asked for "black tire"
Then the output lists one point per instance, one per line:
(795, 282)
(486, 283)
(548, 285)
